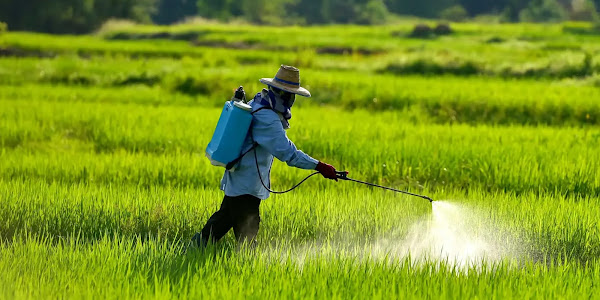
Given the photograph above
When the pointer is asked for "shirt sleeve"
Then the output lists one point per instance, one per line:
(268, 132)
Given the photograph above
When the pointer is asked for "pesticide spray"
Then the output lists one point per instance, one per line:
(452, 233)
(460, 236)
(449, 234)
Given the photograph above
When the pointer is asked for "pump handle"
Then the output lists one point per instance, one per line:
(240, 94)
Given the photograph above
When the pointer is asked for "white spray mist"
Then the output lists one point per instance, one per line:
(452, 233)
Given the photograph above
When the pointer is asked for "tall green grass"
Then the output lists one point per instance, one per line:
(115, 241)
(525, 50)
(117, 268)
(165, 145)
(437, 99)
(103, 179)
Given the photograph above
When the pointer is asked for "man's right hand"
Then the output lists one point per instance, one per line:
(327, 170)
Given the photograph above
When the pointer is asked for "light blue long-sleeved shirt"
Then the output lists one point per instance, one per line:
(267, 130)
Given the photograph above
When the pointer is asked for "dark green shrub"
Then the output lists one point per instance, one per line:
(581, 28)
(70, 79)
(142, 78)
(455, 13)
(185, 36)
(543, 11)
(373, 12)
(182, 36)
(495, 40)
(421, 31)
(191, 86)
(428, 67)
(162, 35)
(442, 29)
(584, 11)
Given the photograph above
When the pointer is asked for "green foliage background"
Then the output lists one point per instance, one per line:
(75, 16)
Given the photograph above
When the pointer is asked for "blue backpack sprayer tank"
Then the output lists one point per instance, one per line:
(225, 147)
(226, 144)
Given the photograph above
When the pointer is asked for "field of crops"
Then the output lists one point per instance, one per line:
(103, 178)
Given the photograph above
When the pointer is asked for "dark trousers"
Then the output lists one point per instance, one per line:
(240, 213)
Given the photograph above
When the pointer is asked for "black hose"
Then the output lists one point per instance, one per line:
(278, 192)
(340, 175)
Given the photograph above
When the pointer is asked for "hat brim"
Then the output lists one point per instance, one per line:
(298, 90)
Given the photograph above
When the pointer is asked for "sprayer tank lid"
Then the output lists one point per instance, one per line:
(242, 105)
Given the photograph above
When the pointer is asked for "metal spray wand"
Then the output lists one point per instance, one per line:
(344, 176)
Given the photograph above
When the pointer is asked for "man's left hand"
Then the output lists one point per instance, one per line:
(327, 170)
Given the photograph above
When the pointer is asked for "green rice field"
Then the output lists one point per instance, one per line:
(103, 178)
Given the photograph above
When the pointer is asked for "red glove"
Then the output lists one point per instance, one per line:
(328, 171)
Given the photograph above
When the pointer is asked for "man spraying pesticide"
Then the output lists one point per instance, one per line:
(247, 138)
(257, 127)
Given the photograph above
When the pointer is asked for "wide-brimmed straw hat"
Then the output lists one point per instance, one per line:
(287, 79)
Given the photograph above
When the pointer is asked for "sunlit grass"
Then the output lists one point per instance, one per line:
(107, 241)
(103, 178)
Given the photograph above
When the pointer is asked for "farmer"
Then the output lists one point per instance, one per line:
(244, 189)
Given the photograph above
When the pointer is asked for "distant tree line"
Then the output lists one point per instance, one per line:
(71, 16)
(81, 16)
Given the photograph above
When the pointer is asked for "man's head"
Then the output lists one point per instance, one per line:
(286, 82)
(287, 97)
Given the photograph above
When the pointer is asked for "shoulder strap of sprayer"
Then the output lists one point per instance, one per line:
(254, 144)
